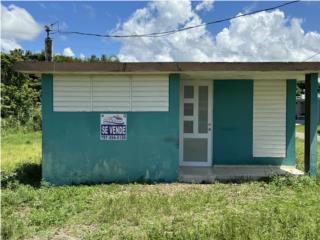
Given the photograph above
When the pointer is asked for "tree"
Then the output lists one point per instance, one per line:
(20, 93)
(93, 58)
(104, 58)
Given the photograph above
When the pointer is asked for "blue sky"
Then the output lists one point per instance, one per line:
(103, 17)
(98, 17)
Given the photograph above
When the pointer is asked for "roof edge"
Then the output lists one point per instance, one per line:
(116, 67)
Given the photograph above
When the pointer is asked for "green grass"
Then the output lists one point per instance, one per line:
(20, 148)
(300, 155)
(282, 208)
(300, 128)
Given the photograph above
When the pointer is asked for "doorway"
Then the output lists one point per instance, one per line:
(196, 123)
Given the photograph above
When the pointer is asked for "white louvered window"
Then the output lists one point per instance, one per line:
(119, 93)
(71, 94)
(150, 93)
(269, 118)
(111, 93)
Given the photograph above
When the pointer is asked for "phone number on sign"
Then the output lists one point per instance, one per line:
(113, 132)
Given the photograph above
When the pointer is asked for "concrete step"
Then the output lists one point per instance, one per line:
(234, 173)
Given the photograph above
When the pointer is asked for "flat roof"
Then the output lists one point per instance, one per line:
(159, 67)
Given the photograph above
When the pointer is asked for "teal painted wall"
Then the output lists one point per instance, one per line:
(233, 124)
(313, 123)
(74, 153)
(291, 123)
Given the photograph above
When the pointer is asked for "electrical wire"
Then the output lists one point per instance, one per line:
(166, 33)
(312, 56)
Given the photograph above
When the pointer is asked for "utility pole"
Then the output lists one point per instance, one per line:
(48, 45)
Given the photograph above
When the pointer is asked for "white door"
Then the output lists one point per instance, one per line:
(196, 123)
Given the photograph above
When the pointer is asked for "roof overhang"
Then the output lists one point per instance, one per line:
(232, 70)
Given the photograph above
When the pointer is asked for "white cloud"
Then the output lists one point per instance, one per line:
(9, 44)
(206, 5)
(68, 52)
(267, 36)
(160, 16)
(16, 24)
(82, 56)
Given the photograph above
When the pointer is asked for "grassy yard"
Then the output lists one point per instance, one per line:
(20, 148)
(300, 128)
(282, 208)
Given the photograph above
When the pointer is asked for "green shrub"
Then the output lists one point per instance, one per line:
(20, 93)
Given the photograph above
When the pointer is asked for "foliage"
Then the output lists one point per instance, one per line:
(283, 208)
(301, 88)
(92, 58)
(20, 101)
(20, 93)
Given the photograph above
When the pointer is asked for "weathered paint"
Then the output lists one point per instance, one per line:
(74, 153)
(233, 122)
(311, 123)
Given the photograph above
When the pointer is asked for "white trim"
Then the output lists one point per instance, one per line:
(181, 122)
(195, 135)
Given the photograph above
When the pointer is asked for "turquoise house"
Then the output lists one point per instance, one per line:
(165, 122)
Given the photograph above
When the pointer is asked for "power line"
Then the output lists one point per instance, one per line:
(166, 33)
(307, 59)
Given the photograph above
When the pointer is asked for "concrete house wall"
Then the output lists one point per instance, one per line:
(74, 153)
(233, 124)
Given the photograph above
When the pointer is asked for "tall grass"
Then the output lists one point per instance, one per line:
(19, 148)
(300, 155)
(283, 208)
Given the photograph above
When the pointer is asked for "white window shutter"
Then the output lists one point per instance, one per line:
(269, 118)
(71, 93)
(111, 93)
(150, 93)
